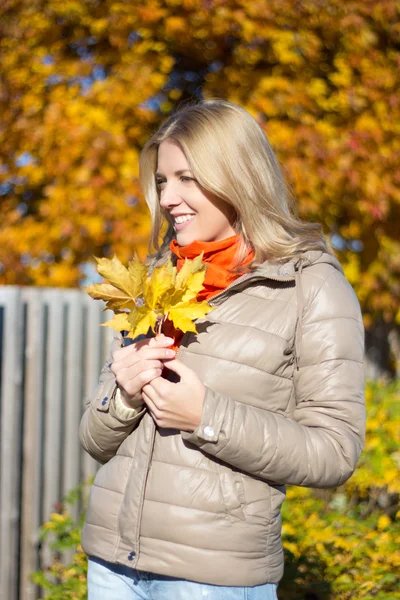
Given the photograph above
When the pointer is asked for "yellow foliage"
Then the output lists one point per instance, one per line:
(175, 25)
(383, 522)
(352, 269)
(83, 86)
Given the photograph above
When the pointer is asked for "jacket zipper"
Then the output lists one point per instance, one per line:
(141, 502)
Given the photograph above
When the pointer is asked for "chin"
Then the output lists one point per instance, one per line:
(184, 239)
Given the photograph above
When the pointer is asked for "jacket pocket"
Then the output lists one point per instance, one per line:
(232, 491)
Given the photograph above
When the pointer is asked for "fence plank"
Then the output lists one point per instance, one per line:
(53, 406)
(12, 374)
(74, 376)
(33, 432)
(108, 334)
(94, 358)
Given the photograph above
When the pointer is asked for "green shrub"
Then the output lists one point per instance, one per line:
(339, 544)
(64, 579)
(345, 543)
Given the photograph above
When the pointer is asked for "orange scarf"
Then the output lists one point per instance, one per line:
(219, 257)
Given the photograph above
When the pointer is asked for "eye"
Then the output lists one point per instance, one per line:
(160, 182)
(186, 179)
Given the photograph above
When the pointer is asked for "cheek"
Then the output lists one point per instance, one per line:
(220, 219)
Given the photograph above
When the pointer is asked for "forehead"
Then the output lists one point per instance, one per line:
(171, 156)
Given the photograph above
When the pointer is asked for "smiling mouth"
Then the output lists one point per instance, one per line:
(183, 219)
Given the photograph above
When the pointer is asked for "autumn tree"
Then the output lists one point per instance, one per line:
(85, 82)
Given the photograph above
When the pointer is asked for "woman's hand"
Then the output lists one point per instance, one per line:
(138, 364)
(176, 405)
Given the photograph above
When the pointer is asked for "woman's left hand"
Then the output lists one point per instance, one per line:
(176, 405)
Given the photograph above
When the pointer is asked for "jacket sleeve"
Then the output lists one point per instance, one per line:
(318, 445)
(104, 426)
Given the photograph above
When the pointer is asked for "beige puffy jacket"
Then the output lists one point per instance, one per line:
(282, 361)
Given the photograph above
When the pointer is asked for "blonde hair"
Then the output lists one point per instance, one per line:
(231, 158)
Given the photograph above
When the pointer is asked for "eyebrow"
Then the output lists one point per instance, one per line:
(180, 172)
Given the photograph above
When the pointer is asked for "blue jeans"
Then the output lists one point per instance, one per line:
(108, 581)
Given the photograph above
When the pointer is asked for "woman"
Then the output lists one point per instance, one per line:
(269, 392)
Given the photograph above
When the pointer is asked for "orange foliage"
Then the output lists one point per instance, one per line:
(84, 83)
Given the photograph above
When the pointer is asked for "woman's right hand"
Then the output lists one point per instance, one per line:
(136, 365)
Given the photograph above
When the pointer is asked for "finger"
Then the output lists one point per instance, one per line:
(126, 351)
(162, 387)
(159, 341)
(144, 378)
(157, 353)
(134, 370)
(134, 386)
(178, 367)
(139, 358)
(151, 405)
(148, 394)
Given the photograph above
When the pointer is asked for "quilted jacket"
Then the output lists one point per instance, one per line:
(281, 357)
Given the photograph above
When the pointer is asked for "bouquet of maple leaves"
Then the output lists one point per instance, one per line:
(143, 301)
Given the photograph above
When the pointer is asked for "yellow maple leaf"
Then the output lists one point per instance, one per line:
(119, 276)
(145, 300)
(141, 320)
(182, 314)
(157, 285)
(125, 284)
(189, 268)
(137, 271)
(119, 322)
(114, 298)
(189, 281)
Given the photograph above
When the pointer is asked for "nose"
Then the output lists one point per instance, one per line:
(169, 196)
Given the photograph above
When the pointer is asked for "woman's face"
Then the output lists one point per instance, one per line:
(195, 214)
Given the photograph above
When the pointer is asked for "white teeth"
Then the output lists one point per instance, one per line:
(183, 218)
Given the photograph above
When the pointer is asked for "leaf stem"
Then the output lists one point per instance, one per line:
(159, 323)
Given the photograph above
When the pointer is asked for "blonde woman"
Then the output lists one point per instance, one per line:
(269, 392)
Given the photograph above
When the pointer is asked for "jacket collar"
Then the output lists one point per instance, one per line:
(282, 271)
(288, 269)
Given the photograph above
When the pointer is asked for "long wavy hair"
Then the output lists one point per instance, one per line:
(231, 158)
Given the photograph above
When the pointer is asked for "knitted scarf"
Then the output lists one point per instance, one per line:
(219, 257)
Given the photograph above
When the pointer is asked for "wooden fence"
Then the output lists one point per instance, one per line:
(51, 353)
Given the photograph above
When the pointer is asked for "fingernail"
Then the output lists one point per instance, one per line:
(170, 353)
(169, 340)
